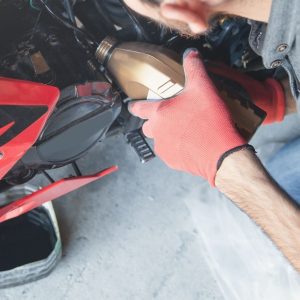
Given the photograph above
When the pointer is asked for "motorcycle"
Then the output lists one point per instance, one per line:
(57, 100)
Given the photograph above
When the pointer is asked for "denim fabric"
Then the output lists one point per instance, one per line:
(284, 167)
(278, 42)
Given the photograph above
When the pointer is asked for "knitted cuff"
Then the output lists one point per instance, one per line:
(236, 149)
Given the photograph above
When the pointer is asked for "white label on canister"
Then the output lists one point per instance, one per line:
(153, 96)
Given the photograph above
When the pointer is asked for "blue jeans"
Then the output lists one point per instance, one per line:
(284, 167)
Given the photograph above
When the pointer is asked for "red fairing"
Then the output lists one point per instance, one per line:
(49, 193)
(24, 96)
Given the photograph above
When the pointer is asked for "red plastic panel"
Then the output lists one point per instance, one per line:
(49, 193)
(22, 93)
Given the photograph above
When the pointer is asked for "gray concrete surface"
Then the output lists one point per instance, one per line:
(131, 235)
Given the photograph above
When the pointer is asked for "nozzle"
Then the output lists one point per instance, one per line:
(105, 49)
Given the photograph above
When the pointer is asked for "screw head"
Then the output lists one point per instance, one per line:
(282, 47)
(276, 64)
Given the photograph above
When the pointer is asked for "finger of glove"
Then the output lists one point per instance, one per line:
(148, 130)
(194, 69)
(143, 109)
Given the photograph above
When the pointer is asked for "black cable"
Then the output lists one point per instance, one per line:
(76, 169)
(48, 176)
(136, 23)
(106, 22)
(89, 37)
(70, 12)
(35, 25)
(69, 8)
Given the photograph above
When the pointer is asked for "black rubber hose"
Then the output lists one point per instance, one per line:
(89, 37)
(69, 8)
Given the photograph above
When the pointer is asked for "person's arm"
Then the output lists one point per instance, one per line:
(243, 179)
(194, 132)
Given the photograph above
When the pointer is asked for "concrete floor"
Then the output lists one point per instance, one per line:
(131, 235)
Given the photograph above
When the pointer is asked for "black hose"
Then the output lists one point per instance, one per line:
(139, 28)
(88, 36)
(69, 8)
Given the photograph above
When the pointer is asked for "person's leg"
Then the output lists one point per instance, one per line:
(284, 167)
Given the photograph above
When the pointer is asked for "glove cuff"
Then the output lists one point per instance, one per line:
(237, 143)
(236, 149)
(225, 155)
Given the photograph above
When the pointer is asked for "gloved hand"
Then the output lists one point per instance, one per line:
(268, 95)
(194, 130)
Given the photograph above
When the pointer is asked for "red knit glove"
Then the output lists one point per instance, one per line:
(194, 130)
(268, 95)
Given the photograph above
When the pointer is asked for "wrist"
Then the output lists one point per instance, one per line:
(233, 150)
(238, 169)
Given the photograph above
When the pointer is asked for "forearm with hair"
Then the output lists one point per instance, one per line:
(245, 181)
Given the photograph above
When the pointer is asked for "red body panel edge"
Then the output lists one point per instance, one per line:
(23, 93)
(49, 193)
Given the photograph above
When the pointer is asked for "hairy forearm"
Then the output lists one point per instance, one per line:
(244, 180)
